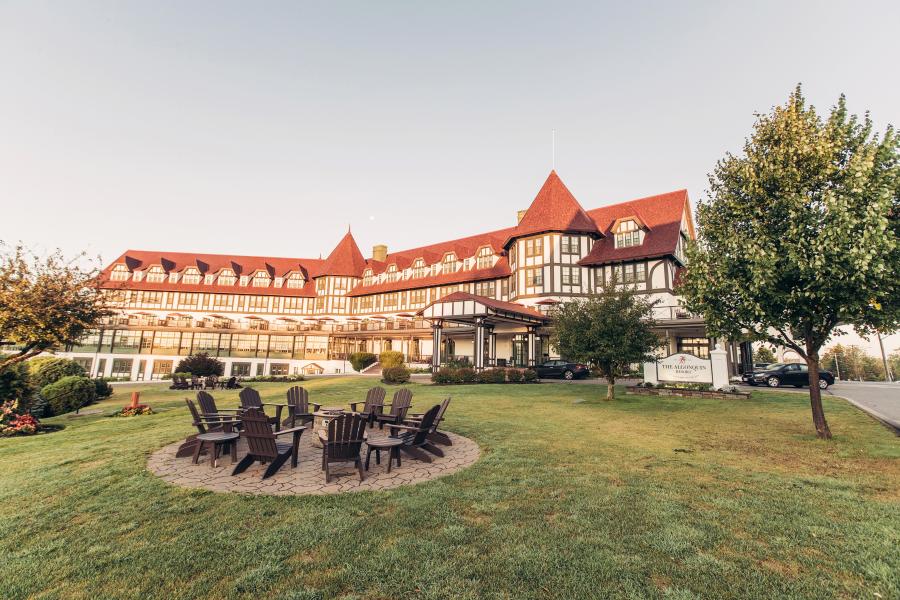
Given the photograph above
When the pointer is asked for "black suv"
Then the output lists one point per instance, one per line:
(562, 368)
(795, 374)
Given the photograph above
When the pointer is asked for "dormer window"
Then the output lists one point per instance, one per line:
(367, 277)
(226, 277)
(119, 273)
(485, 257)
(191, 275)
(392, 273)
(449, 262)
(295, 281)
(156, 275)
(418, 268)
(628, 234)
(261, 279)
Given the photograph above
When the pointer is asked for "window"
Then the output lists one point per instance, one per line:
(127, 341)
(696, 346)
(392, 273)
(365, 303)
(152, 298)
(367, 277)
(449, 289)
(278, 369)
(226, 277)
(599, 277)
(417, 297)
(161, 368)
(418, 268)
(569, 244)
(84, 363)
(632, 273)
(156, 275)
(571, 275)
(206, 342)
(257, 303)
(191, 275)
(293, 305)
(240, 369)
(295, 281)
(449, 262)
(485, 288)
(121, 368)
(119, 273)
(484, 259)
(221, 301)
(504, 287)
(283, 344)
(534, 277)
(390, 300)
(188, 300)
(512, 254)
(628, 239)
(261, 279)
(534, 247)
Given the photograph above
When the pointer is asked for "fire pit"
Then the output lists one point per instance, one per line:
(321, 419)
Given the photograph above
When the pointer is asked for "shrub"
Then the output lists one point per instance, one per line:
(38, 406)
(361, 360)
(390, 358)
(492, 376)
(514, 376)
(275, 378)
(529, 376)
(444, 375)
(69, 393)
(15, 384)
(465, 375)
(50, 369)
(104, 390)
(201, 365)
(12, 422)
(395, 375)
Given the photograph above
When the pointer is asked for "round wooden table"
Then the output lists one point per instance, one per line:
(216, 440)
(383, 442)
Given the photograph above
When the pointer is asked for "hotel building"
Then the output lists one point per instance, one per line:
(482, 298)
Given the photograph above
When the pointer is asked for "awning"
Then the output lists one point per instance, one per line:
(548, 302)
(462, 307)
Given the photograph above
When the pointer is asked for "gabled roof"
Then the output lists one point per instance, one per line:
(661, 215)
(345, 260)
(554, 209)
(500, 269)
(497, 305)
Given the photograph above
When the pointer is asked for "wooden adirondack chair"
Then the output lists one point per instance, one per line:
(263, 444)
(179, 383)
(434, 435)
(373, 406)
(209, 409)
(415, 437)
(211, 382)
(204, 424)
(399, 407)
(231, 384)
(298, 407)
(342, 442)
(250, 399)
(196, 383)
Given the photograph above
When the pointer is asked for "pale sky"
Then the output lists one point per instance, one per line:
(267, 128)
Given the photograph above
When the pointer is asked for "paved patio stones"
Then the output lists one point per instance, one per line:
(308, 477)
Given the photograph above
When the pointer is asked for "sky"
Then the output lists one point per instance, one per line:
(269, 128)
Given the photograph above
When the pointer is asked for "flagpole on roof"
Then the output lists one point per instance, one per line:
(553, 149)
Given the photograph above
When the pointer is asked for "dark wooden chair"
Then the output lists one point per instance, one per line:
(250, 399)
(263, 444)
(399, 407)
(438, 437)
(373, 406)
(204, 424)
(211, 382)
(231, 384)
(415, 436)
(209, 409)
(178, 383)
(196, 383)
(342, 442)
(298, 406)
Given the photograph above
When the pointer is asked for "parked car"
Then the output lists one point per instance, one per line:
(562, 368)
(747, 376)
(795, 374)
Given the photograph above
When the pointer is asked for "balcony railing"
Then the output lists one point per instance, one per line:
(674, 313)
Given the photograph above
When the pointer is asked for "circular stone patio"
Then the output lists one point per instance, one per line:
(308, 477)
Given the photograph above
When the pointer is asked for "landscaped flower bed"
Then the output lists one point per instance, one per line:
(685, 393)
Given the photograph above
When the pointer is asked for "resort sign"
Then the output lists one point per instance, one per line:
(684, 367)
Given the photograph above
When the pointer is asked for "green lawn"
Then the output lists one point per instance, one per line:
(573, 497)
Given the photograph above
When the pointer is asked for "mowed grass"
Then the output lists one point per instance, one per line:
(573, 497)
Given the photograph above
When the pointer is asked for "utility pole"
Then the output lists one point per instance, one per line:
(837, 363)
(887, 370)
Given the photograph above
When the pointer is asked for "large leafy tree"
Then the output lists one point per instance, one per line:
(45, 303)
(799, 233)
(610, 330)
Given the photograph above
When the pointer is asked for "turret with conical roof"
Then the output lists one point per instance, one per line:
(345, 260)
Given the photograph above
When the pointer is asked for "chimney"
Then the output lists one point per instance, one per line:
(519, 215)
(379, 252)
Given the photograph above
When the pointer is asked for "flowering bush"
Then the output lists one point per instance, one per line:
(135, 411)
(12, 423)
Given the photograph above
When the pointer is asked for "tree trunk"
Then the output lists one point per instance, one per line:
(610, 388)
(815, 394)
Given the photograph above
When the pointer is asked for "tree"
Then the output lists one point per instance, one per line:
(852, 362)
(894, 364)
(201, 365)
(764, 354)
(610, 330)
(799, 234)
(45, 303)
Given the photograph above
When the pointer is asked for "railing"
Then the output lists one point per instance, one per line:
(674, 313)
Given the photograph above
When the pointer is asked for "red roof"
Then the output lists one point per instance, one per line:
(661, 215)
(491, 303)
(345, 260)
(554, 209)
(500, 269)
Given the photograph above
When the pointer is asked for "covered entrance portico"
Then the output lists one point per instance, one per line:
(488, 322)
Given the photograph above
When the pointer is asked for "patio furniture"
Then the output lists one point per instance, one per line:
(204, 424)
(250, 399)
(298, 407)
(211, 382)
(196, 383)
(231, 384)
(415, 437)
(219, 440)
(374, 405)
(179, 383)
(399, 406)
(263, 444)
(342, 442)
(209, 409)
(379, 443)
(434, 435)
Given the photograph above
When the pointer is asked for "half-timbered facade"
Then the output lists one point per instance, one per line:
(278, 316)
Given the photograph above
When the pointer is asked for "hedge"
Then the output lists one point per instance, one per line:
(50, 369)
(390, 358)
(449, 375)
(69, 393)
(361, 360)
(395, 375)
